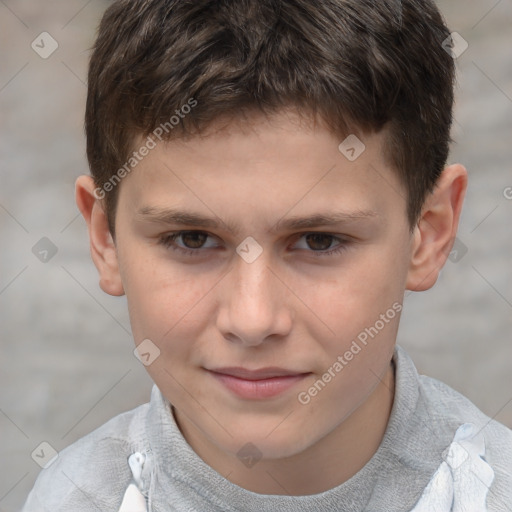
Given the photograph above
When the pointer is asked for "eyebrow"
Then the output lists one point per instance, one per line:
(187, 218)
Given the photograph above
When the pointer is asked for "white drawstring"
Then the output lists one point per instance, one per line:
(460, 484)
(133, 500)
(462, 481)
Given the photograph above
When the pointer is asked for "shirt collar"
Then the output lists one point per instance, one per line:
(403, 454)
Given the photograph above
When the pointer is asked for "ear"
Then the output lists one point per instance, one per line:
(435, 231)
(103, 250)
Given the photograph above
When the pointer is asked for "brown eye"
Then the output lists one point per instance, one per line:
(189, 243)
(193, 239)
(320, 244)
(319, 241)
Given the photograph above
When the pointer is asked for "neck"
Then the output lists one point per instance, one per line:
(326, 464)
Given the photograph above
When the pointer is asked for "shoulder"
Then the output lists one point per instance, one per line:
(449, 407)
(93, 472)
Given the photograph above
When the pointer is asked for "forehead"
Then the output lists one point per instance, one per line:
(265, 167)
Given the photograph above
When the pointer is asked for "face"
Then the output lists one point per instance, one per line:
(264, 247)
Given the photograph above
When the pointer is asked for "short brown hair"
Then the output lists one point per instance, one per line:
(358, 64)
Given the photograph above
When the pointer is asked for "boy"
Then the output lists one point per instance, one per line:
(268, 179)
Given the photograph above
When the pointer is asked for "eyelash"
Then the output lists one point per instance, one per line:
(168, 241)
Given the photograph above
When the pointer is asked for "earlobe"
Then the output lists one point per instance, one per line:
(434, 234)
(103, 250)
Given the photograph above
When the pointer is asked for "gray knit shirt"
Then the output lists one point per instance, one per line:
(93, 473)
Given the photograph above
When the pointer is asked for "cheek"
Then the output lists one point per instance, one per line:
(359, 293)
(361, 308)
(163, 299)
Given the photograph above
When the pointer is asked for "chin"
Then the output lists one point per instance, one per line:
(259, 443)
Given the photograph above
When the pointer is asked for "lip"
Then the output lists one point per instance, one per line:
(257, 384)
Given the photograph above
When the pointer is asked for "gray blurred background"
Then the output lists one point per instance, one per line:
(66, 361)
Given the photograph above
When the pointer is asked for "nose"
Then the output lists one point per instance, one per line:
(255, 304)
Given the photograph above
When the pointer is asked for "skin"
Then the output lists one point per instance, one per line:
(290, 307)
